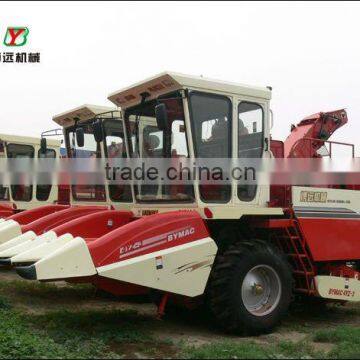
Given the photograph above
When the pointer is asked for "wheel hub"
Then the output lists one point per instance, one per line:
(261, 290)
(257, 289)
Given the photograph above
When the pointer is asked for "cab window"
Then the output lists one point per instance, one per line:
(250, 140)
(4, 191)
(211, 120)
(115, 148)
(21, 192)
(43, 190)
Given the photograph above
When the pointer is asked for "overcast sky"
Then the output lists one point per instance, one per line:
(308, 52)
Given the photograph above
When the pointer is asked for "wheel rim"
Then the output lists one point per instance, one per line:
(261, 290)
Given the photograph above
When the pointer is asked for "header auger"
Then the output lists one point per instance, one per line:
(242, 248)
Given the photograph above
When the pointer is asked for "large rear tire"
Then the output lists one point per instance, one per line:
(250, 288)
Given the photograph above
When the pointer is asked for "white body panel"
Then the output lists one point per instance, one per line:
(82, 113)
(45, 248)
(9, 230)
(167, 82)
(28, 236)
(183, 269)
(338, 288)
(328, 199)
(3, 223)
(27, 245)
(71, 260)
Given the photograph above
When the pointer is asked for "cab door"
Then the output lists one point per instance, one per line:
(116, 150)
(252, 139)
(21, 192)
(4, 191)
(47, 192)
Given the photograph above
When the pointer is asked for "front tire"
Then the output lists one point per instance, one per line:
(250, 288)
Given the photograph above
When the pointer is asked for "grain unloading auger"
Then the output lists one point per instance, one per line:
(245, 249)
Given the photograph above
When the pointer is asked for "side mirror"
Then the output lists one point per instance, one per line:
(161, 116)
(43, 145)
(80, 137)
(98, 131)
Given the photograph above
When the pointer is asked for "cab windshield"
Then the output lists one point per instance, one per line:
(148, 141)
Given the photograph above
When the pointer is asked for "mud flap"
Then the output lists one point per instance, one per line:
(338, 288)
(182, 269)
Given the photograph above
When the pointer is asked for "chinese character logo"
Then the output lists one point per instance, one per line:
(16, 36)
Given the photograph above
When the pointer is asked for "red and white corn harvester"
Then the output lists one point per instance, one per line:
(245, 250)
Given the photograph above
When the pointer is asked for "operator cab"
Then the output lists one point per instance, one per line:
(95, 132)
(30, 194)
(202, 119)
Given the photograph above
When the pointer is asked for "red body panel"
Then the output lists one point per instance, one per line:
(305, 139)
(148, 234)
(332, 239)
(119, 288)
(28, 216)
(114, 287)
(318, 126)
(6, 210)
(277, 148)
(93, 226)
(6, 213)
(51, 221)
(64, 194)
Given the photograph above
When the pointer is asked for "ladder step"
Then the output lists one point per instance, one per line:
(304, 273)
(310, 292)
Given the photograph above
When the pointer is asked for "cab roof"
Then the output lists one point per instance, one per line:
(28, 140)
(83, 113)
(169, 81)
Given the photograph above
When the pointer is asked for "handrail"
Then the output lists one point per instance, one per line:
(53, 132)
(329, 142)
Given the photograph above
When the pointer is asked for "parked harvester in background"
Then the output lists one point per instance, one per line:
(18, 197)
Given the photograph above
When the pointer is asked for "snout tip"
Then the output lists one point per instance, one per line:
(27, 272)
(5, 262)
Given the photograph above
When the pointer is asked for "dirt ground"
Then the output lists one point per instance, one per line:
(182, 327)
